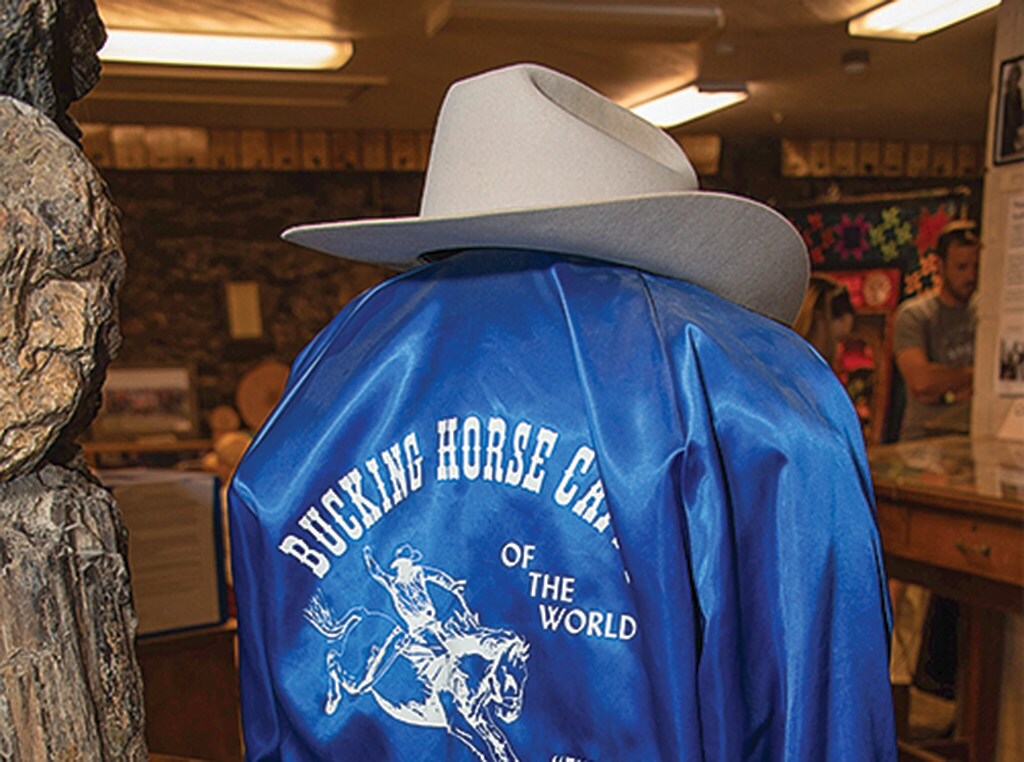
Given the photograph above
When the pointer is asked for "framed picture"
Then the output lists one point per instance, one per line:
(146, 402)
(1009, 138)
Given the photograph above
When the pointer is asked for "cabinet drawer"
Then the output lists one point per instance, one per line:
(986, 547)
(894, 526)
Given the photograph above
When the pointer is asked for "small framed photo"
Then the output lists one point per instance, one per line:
(1009, 138)
(146, 402)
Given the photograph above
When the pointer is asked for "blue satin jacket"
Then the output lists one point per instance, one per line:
(518, 506)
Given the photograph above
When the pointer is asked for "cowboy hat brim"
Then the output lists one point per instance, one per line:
(737, 248)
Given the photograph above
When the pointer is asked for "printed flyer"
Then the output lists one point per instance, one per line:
(1010, 380)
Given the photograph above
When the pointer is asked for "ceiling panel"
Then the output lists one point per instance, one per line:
(408, 51)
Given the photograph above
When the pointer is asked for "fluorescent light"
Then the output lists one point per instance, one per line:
(223, 50)
(688, 104)
(910, 19)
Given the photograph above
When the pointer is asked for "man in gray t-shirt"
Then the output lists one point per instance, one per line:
(934, 341)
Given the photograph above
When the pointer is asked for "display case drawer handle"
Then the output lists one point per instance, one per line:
(973, 550)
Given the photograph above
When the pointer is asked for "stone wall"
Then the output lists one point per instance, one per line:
(188, 233)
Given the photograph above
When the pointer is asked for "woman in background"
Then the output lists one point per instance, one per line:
(825, 317)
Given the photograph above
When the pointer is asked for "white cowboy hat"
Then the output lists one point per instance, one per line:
(527, 158)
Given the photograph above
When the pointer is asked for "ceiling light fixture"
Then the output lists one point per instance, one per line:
(181, 49)
(910, 19)
(689, 103)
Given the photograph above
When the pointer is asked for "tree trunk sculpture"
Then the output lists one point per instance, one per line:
(70, 687)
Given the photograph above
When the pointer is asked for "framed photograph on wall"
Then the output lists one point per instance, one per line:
(145, 402)
(1008, 140)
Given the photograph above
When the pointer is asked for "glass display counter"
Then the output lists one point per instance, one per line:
(973, 468)
(951, 515)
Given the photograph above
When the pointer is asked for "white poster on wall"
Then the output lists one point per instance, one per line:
(1010, 358)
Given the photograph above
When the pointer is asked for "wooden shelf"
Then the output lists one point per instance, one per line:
(104, 454)
(146, 445)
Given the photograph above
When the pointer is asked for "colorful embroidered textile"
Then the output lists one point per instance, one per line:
(899, 234)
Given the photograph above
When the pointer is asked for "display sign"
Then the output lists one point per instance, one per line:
(146, 402)
(174, 546)
(1010, 373)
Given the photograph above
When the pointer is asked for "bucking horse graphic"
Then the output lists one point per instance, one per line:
(451, 673)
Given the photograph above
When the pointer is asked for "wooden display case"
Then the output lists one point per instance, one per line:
(951, 514)
(192, 694)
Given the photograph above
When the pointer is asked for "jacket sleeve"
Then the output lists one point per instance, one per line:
(260, 724)
(788, 572)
